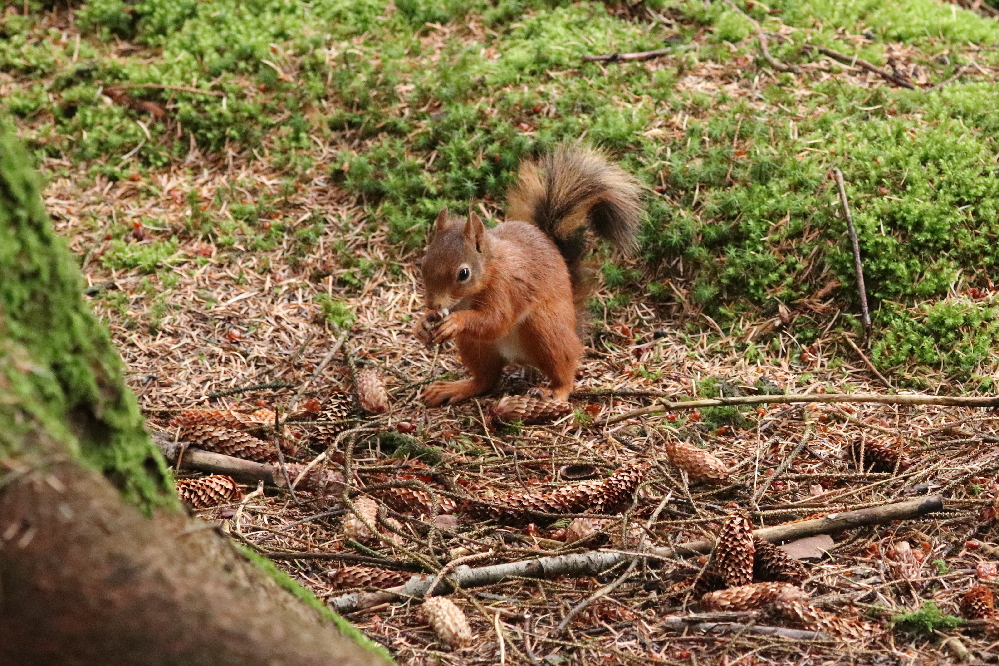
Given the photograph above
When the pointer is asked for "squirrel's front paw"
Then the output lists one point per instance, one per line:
(447, 328)
(426, 328)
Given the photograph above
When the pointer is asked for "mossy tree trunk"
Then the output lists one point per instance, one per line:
(98, 564)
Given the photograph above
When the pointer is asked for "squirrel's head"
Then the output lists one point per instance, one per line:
(454, 264)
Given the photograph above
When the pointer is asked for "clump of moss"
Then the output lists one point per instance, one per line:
(925, 621)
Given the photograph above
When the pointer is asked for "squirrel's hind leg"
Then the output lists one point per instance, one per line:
(555, 351)
(485, 364)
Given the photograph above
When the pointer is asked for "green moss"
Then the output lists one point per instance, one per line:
(337, 313)
(926, 621)
(56, 357)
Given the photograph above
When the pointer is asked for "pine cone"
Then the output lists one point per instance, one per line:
(583, 528)
(772, 564)
(371, 392)
(208, 491)
(229, 442)
(596, 495)
(448, 621)
(354, 527)
(978, 603)
(877, 457)
(528, 410)
(805, 616)
(223, 418)
(415, 502)
(752, 597)
(289, 434)
(369, 577)
(699, 465)
(735, 551)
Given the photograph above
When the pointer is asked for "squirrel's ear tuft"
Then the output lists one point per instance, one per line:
(441, 221)
(475, 231)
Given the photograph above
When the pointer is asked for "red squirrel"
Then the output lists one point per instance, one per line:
(516, 293)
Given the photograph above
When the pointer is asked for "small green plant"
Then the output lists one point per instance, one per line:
(336, 313)
(926, 620)
(942, 567)
(147, 256)
(581, 417)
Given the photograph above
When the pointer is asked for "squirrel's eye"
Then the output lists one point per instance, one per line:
(463, 274)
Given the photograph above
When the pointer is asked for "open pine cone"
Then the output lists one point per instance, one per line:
(596, 495)
(229, 442)
(369, 577)
(208, 491)
(735, 551)
(772, 564)
(978, 603)
(751, 597)
(528, 410)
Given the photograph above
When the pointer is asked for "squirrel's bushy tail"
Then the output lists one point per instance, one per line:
(573, 189)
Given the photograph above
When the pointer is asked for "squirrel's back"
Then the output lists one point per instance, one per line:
(573, 189)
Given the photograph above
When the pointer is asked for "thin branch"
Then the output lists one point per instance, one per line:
(248, 389)
(858, 265)
(829, 398)
(638, 56)
(867, 362)
(687, 623)
(591, 563)
(244, 471)
(891, 76)
(761, 36)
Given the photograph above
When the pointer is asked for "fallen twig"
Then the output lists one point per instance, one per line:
(638, 56)
(761, 36)
(244, 471)
(248, 389)
(681, 623)
(594, 562)
(865, 315)
(875, 398)
(891, 76)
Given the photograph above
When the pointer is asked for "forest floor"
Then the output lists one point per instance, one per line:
(224, 266)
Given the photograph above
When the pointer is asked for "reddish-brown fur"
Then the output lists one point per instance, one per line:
(510, 289)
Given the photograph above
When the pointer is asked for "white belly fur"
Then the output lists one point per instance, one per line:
(511, 347)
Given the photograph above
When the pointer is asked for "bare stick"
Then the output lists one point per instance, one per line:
(829, 398)
(594, 562)
(680, 623)
(761, 36)
(244, 471)
(867, 361)
(864, 312)
(638, 56)
(891, 76)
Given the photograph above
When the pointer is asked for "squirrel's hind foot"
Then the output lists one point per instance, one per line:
(448, 393)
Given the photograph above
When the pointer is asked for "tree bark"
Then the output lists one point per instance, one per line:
(98, 564)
